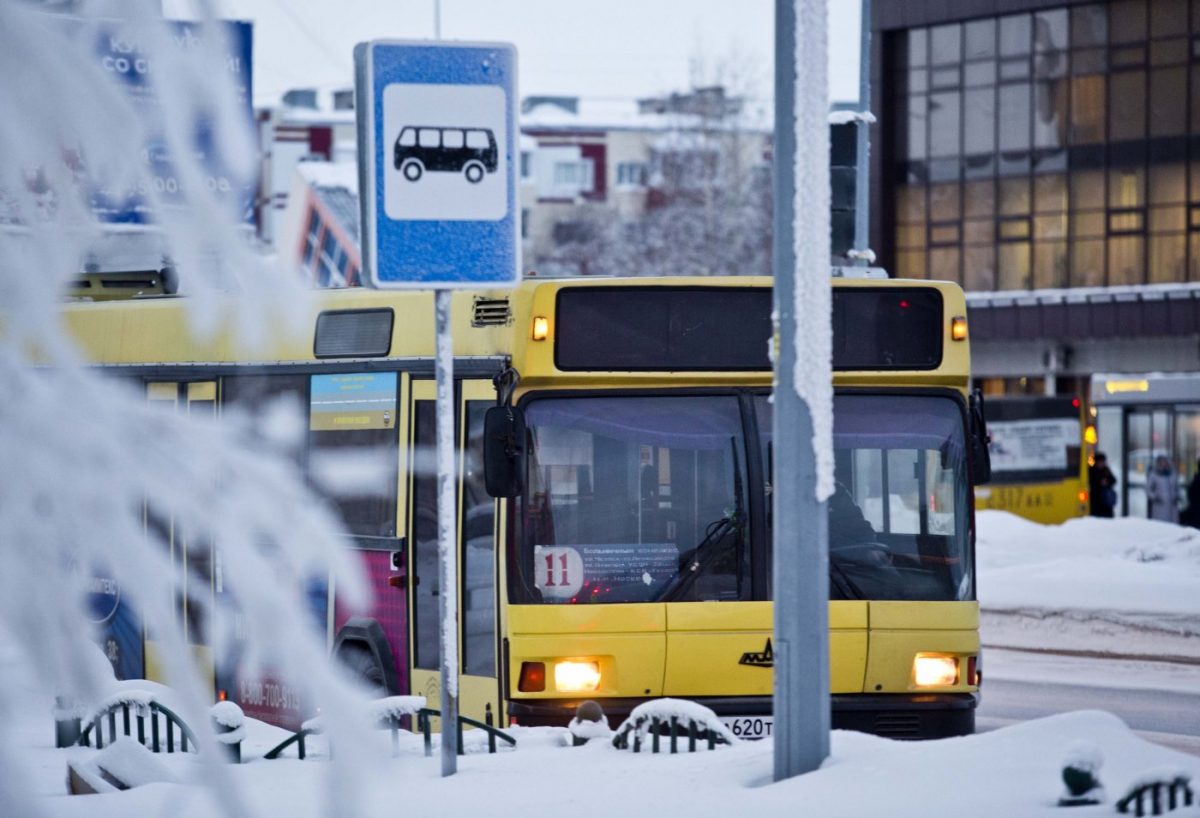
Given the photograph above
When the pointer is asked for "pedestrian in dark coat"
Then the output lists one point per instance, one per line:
(1102, 487)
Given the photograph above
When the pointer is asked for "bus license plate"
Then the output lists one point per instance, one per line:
(749, 727)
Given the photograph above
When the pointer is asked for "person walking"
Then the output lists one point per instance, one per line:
(1102, 485)
(1191, 515)
(1162, 491)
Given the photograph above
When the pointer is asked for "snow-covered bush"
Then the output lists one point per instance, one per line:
(81, 452)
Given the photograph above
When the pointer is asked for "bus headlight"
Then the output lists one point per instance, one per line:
(935, 670)
(575, 676)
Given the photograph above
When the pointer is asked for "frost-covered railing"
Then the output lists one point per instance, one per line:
(388, 714)
(676, 719)
(1157, 793)
(426, 715)
(135, 707)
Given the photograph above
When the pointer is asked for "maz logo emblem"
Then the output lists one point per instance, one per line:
(764, 659)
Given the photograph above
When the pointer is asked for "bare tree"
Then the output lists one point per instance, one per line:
(707, 208)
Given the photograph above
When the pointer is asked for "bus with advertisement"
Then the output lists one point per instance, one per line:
(614, 492)
(1039, 454)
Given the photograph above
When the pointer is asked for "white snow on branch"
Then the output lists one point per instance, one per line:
(85, 455)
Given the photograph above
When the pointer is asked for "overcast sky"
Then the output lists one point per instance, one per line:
(597, 48)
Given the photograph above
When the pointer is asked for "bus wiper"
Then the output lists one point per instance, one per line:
(701, 556)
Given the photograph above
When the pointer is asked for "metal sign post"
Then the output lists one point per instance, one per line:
(802, 399)
(437, 138)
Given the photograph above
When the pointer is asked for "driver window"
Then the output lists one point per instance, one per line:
(904, 494)
(408, 138)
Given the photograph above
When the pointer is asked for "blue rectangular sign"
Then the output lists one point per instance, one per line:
(438, 148)
(120, 54)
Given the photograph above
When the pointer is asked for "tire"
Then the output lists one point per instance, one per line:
(474, 172)
(412, 170)
(363, 666)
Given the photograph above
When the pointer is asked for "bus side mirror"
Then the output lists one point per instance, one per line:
(981, 455)
(504, 451)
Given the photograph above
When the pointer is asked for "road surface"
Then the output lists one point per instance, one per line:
(1160, 701)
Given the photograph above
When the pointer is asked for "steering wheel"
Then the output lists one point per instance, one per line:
(864, 553)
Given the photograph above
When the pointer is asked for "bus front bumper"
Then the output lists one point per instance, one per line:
(897, 715)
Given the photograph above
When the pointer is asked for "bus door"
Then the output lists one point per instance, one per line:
(360, 417)
(479, 691)
(191, 556)
(479, 530)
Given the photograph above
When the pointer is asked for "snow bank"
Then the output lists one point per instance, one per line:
(1014, 771)
(1091, 564)
(131, 763)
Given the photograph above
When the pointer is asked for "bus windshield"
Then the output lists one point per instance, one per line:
(622, 492)
(647, 499)
(1034, 439)
(898, 517)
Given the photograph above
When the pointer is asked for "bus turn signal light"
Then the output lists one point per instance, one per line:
(576, 677)
(533, 677)
(935, 670)
(958, 328)
(541, 328)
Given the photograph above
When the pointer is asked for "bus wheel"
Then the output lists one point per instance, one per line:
(412, 170)
(474, 172)
(364, 667)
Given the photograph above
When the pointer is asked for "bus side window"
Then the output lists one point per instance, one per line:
(452, 138)
(430, 138)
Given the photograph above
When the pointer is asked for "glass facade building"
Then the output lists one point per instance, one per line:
(1058, 147)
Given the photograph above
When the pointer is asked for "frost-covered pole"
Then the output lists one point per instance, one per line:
(446, 551)
(803, 468)
(862, 174)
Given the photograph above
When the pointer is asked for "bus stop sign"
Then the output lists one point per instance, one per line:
(437, 138)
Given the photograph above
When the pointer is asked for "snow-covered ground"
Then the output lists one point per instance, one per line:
(1077, 577)
(1123, 588)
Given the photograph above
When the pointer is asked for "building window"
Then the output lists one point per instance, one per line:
(328, 275)
(631, 174)
(1049, 149)
(576, 174)
(310, 238)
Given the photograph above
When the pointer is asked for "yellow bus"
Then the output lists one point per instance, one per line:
(1039, 458)
(629, 554)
